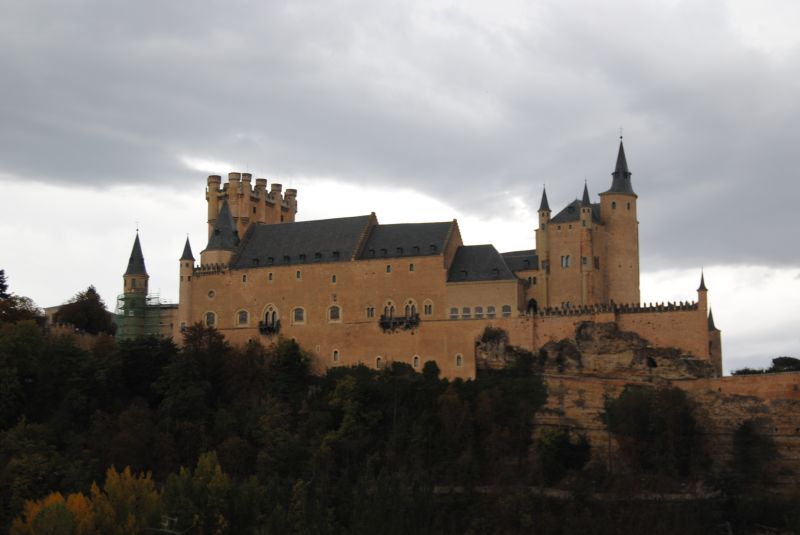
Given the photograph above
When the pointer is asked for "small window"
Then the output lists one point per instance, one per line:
(629, 206)
(399, 251)
(584, 260)
(189, 278)
(317, 256)
(333, 279)
(427, 309)
(530, 280)
(211, 294)
(297, 274)
(302, 257)
(269, 276)
(558, 227)
(570, 227)
(287, 260)
(415, 249)
(372, 252)
(596, 262)
(335, 355)
(370, 312)
(244, 278)
(415, 362)
(255, 261)
(270, 260)
(254, 209)
(453, 313)
(334, 313)
(211, 319)
(459, 360)
(613, 205)
(466, 313)
(388, 268)
(241, 317)
(433, 247)
(490, 313)
(384, 252)
(533, 281)
(299, 315)
(478, 313)
(583, 223)
(336, 255)
(565, 261)
(378, 363)
(133, 283)
(411, 267)
(506, 311)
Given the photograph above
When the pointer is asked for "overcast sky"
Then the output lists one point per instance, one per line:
(114, 112)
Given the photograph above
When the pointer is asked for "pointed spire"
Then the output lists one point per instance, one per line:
(586, 201)
(711, 326)
(224, 236)
(702, 287)
(544, 206)
(187, 251)
(622, 176)
(136, 261)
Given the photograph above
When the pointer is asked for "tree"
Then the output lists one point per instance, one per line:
(87, 312)
(3, 285)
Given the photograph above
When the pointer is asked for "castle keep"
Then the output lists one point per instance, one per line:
(352, 290)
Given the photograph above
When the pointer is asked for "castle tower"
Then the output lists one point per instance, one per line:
(621, 259)
(223, 240)
(543, 247)
(132, 303)
(135, 279)
(587, 249)
(186, 271)
(714, 343)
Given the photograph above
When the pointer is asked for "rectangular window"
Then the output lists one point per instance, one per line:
(454, 313)
(411, 267)
(490, 313)
(478, 313)
(297, 274)
(370, 312)
(466, 313)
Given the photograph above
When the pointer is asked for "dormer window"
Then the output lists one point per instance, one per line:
(286, 259)
(384, 252)
(415, 249)
(372, 252)
(302, 257)
(433, 247)
(336, 255)
(270, 261)
(317, 256)
(400, 251)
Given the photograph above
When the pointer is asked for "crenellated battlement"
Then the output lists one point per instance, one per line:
(630, 308)
(249, 203)
(209, 269)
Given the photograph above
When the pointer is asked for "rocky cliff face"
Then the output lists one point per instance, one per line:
(600, 360)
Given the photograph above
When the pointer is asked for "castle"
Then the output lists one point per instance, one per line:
(352, 290)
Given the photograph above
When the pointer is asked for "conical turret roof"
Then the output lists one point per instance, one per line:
(711, 326)
(187, 251)
(621, 182)
(702, 287)
(544, 206)
(136, 261)
(224, 236)
(586, 201)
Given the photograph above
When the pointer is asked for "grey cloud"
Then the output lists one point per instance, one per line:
(440, 101)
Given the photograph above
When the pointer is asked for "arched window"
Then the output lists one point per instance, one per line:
(427, 307)
(506, 311)
(333, 279)
(299, 315)
(415, 362)
(241, 317)
(270, 315)
(490, 313)
(378, 362)
(334, 313)
(411, 308)
(459, 360)
(211, 319)
(613, 205)
(466, 313)
(335, 355)
(388, 309)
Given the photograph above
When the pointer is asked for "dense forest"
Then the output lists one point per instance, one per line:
(143, 436)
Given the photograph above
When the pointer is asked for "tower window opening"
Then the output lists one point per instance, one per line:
(333, 279)
(565, 261)
(613, 205)
(629, 206)
(244, 278)
(269, 276)
(459, 360)
(378, 363)
(411, 267)
(415, 362)
(388, 268)
(297, 274)
(335, 355)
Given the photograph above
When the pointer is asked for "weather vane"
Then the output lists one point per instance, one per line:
(620, 133)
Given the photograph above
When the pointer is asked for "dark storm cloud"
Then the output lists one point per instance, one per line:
(442, 100)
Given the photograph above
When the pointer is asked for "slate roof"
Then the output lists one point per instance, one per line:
(544, 206)
(187, 251)
(301, 242)
(521, 260)
(478, 263)
(224, 237)
(622, 176)
(406, 239)
(136, 260)
(572, 212)
(711, 326)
